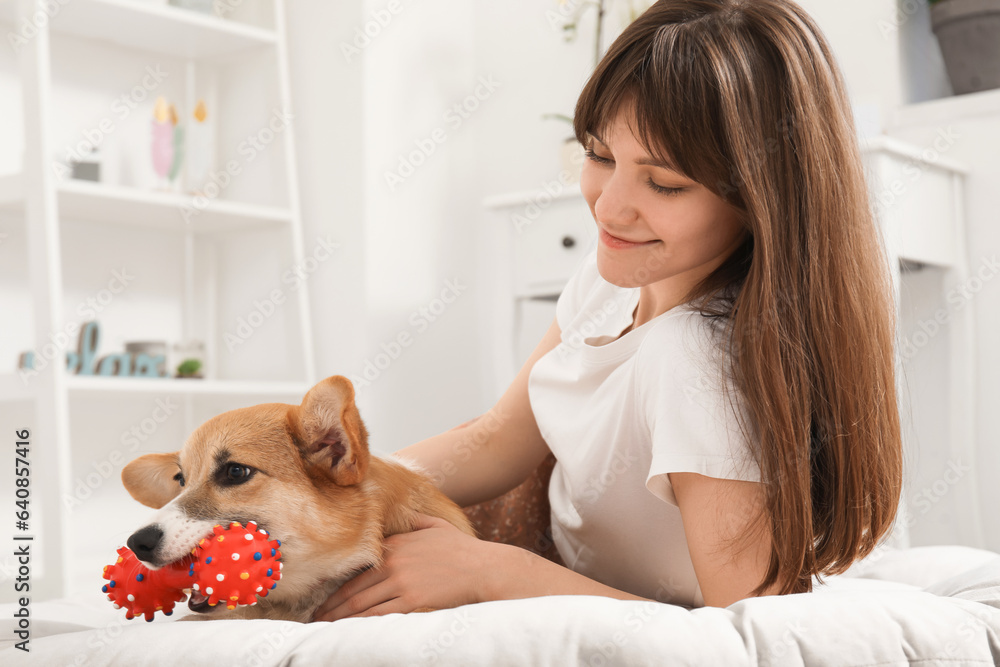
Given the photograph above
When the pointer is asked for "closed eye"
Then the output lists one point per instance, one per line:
(660, 189)
(179, 478)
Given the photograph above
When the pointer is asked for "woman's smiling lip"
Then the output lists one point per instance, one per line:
(615, 242)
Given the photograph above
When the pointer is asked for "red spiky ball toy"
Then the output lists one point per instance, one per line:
(234, 565)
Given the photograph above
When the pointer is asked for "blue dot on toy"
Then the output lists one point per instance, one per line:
(269, 570)
(257, 556)
(139, 577)
(278, 541)
(274, 585)
(104, 589)
(112, 584)
(208, 560)
(168, 613)
(272, 552)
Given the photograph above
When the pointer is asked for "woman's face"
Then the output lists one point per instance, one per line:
(655, 226)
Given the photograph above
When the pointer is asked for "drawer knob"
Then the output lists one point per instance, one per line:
(568, 241)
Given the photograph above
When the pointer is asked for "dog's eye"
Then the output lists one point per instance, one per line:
(237, 473)
(233, 474)
(179, 478)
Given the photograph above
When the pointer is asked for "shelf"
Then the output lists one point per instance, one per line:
(13, 389)
(81, 385)
(901, 149)
(538, 196)
(946, 110)
(98, 202)
(150, 27)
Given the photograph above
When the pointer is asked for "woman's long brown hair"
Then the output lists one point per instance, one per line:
(745, 97)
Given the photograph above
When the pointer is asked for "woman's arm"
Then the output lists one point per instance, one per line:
(438, 566)
(715, 512)
(518, 573)
(493, 453)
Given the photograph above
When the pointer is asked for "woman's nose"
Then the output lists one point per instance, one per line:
(614, 202)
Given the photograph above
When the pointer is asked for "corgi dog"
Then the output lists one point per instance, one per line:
(305, 475)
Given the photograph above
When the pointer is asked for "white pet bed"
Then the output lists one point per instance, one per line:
(925, 605)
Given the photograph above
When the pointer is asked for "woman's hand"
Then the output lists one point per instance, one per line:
(436, 566)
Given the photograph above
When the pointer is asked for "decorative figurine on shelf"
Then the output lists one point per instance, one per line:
(143, 361)
(201, 146)
(234, 565)
(187, 358)
(149, 358)
(189, 368)
(175, 166)
(167, 147)
(87, 167)
(163, 139)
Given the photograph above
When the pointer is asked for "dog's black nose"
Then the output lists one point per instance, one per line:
(144, 542)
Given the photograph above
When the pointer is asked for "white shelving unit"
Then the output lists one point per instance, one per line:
(211, 49)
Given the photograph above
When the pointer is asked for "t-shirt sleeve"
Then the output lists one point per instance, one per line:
(692, 426)
(578, 287)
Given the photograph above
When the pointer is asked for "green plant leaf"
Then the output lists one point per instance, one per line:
(189, 367)
(558, 116)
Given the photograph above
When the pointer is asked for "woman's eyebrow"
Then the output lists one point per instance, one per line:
(648, 161)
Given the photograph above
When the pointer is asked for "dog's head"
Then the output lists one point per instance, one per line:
(297, 470)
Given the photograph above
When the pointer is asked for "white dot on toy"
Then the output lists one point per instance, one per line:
(220, 577)
(131, 598)
(248, 536)
(236, 556)
(208, 591)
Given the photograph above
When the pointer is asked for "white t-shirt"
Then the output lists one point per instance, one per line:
(620, 413)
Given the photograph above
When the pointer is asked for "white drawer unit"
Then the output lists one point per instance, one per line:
(916, 196)
(536, 240)
(547, 250)
(549, 232)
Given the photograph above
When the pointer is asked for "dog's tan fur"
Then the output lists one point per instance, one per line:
(317, 489)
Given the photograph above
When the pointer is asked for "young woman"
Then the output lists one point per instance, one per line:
(718, 386)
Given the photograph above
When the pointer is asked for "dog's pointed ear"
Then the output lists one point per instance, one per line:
(150, 479)
(331, 433)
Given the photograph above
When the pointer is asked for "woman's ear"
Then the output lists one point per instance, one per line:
(332, 435)
(150, 479)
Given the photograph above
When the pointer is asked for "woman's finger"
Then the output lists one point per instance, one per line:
(393, 606)
(350, 588)
(365, 601)
(427, 521)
